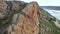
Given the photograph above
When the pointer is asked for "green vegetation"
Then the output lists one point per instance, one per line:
(51, 25)
(45, 23)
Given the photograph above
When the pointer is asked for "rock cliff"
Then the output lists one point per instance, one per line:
(3, 7)
(27, 22)
(26, 18)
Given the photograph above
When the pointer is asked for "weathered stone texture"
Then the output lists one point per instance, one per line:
(3, 5)
(27, 22)
(3, 8)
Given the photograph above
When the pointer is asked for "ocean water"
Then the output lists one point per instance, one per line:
(55, 13)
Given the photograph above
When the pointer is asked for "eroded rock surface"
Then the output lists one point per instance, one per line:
(3, 7)
(26, 18)
(26, 22)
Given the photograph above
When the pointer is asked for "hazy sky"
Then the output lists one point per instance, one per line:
(46, 2)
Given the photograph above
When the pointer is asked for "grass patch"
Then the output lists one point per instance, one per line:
(54, 28)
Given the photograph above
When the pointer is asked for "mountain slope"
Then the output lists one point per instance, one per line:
(47, 24)
(28, 18)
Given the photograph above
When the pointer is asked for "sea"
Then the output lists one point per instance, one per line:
(53, 10)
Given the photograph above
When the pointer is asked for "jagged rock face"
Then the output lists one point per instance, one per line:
(16, 5)
(3, 7)
(27, 22)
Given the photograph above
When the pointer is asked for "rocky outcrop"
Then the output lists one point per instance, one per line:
(3, 7)
(26, 18)
(6, 16)
(26, 22)
(15, 6)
